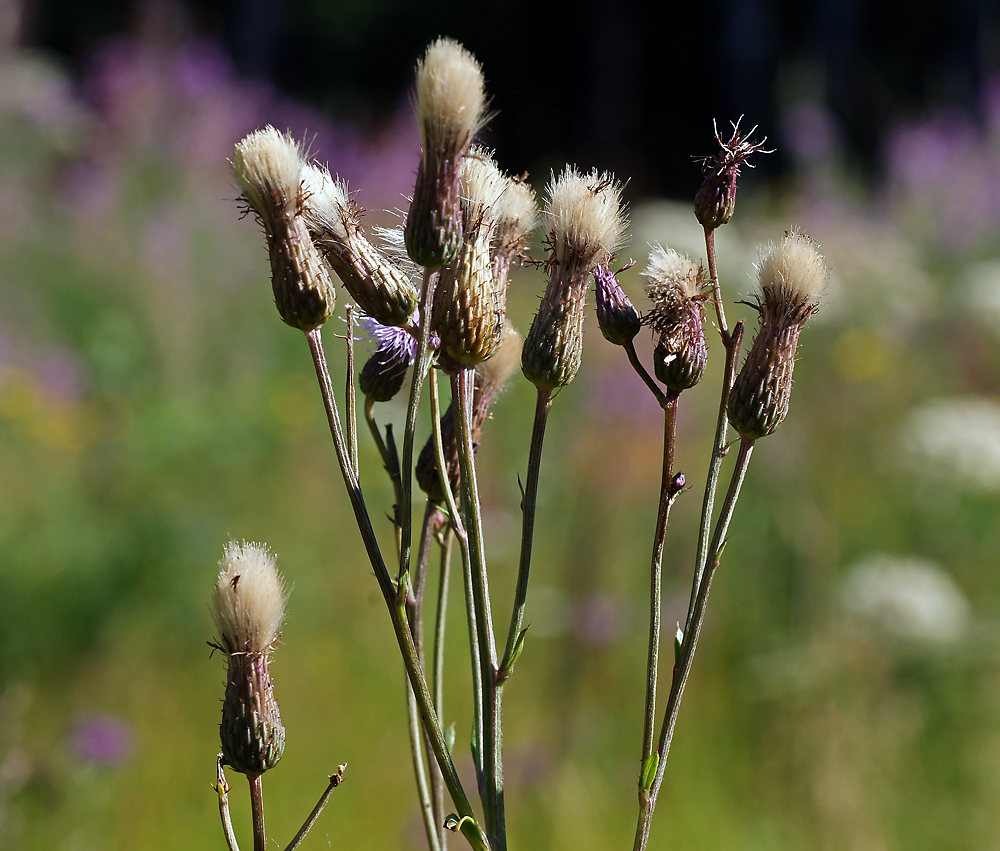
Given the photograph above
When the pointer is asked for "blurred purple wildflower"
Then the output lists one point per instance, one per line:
(103, 739)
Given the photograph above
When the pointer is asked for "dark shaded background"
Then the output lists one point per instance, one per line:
(628, 85)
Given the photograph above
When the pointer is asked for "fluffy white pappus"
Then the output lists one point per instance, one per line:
(482, 185)
(326, 204)
(586, 220)
(506, 361)
(451, 96)
(670, 274)
(268, 166)
(517, 213)
(792, 270)
(248, 601)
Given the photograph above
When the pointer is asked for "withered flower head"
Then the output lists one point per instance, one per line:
(490, 377)
(585, 223)
(381, 289)
(716, 199)
(792, 275)
(616, 315)
(384, 372)
(269, 168)
(451, 99)
(248, 606)
(674, 285)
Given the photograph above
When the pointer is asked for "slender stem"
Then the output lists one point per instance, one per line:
(257, 808)
(688, 646)
(335, 781)
(470, 611)
(667, 495)
(633, 359)
(406, 466)
(719, 450)
(420, 770)
(351, 404)
(397, 614)
(713, 272)
(222, 788)
(492, 791)
(543, 405)
(437, 674)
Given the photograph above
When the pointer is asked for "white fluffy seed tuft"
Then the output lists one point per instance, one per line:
(586, 219)
(482, 185)
(671, 273)
(248, 602)
(268, 166)
(326, 204)
(793, 269)
(451, 96)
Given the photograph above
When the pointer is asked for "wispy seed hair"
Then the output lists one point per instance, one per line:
(327, 206)
(793, 270)
(248, 602)
(586, 221)
(670, 275)
(482, 185)
(517, 214)
(268, 166)
(451, 96)
(497, 369)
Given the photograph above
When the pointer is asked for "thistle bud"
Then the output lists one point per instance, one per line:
(469, 305)
(715, 202)
(450, 103)
(268, 166)
(791, 275)
(490, 377)
(384, 372)
(381, 289)
(585, 224)
(248, 606)
(674, 284)
(617, 316)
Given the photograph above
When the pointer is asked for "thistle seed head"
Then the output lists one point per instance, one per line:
(674, 284)
(450, 110)
(382, 290)
(715, 202)
(268, 166)
(792, 275)
(586, 223)
(248, 606)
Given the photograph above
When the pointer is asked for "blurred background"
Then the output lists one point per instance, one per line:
(847, 689)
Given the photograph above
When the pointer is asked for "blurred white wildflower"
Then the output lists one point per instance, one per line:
(957, 438)
(982, 293)
(906, 597)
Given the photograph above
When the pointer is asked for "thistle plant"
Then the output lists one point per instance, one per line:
(467, 225)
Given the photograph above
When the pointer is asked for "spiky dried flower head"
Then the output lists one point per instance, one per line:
(384, 372)
(490, 378)
(715, 202)
(268, 166)
(248, 607)
(674, 284)
(469, 300)
(618, 319)
(585, 224)
(792, 275)
(379, 286)
(451, 99)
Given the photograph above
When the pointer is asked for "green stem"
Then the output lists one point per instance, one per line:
(633, 359)
(492, 786)
(420, 771)
(713, 273)
(682, 668)
(257, 809)
(420, 368)
(667, 495)
(397, 614)
(222, 788)
(335, 781)
(437, 675)
(389, 461)
(350, 395)
(543, 405)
